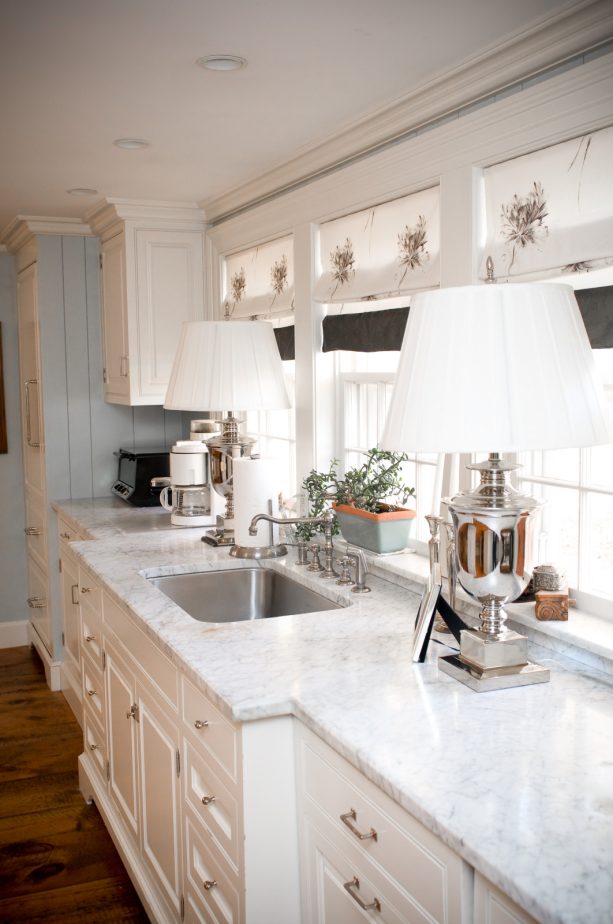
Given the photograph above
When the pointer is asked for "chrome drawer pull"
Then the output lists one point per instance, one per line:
(350, 816)
(36, 603)
(35, 444)
(355, 884)
(209, 884)
(200, 724)
(206, 800)
(33, 531)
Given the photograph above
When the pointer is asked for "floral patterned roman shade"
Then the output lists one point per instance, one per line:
(390, 249)
(260, 282)
(551, 211)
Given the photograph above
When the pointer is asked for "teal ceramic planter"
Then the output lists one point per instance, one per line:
(377, 532)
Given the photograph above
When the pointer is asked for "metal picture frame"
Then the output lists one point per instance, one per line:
(425, 615)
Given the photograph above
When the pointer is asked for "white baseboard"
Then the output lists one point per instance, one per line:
(14, 634)
(52, 668)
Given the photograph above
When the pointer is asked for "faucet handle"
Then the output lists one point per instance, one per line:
(315, 565)
(345, 565)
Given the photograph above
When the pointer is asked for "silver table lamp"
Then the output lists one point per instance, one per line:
(226, 364)
(496, 369)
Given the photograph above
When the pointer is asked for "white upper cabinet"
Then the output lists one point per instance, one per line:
(152, 266)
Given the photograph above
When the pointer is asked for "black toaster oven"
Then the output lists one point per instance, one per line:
(134, 473)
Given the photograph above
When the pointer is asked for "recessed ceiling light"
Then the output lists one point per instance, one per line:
(131, 144)
(82, 191)
(222, 62)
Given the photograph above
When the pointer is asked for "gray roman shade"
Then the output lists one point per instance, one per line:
(286, 341)
(387, 250)
(259, 282)
(551, 212)
(371, 331)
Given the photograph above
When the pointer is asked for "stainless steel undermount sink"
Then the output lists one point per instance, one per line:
(240, 594)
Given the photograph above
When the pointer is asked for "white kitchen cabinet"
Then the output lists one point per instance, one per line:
(152, 281)
(122, 718)
(70, 671)
(363, 855)
(71, 634)
(494, 907)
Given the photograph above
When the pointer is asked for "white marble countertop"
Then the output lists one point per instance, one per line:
(519, 782)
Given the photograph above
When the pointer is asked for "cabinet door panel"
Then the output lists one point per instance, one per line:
(122, 734)
(170, 282)
(71, 611)
(29, 365)
(38, 603)
(159, 780)
(114, 318)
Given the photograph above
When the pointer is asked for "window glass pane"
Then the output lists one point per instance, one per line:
(600, 468)
(560, 526)
(598, 549)
(559, 464)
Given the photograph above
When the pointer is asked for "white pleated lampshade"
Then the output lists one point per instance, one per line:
(496, 368)
(226, 365)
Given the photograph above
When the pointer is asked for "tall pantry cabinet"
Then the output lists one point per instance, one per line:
(57, 293)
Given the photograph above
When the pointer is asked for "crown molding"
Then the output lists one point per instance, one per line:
(24, 227)
(547, 43)
(104, 215)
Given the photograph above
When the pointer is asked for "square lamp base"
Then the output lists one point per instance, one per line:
(487, 663)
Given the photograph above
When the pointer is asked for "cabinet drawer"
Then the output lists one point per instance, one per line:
(67, 532)
(214, 888)
(217, 735)
(93, 691)
(94, 743)
(339, 883)
(213, 803)
(159, 671)
(90, 592)
(413, 859)
(91, 636)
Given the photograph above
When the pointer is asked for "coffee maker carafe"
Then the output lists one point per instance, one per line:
(189, 488)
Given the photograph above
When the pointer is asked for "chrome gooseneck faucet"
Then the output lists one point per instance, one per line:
(326, 520)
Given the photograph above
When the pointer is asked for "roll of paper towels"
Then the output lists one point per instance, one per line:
(254, 488)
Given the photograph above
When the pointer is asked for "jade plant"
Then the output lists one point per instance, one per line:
(377, 485)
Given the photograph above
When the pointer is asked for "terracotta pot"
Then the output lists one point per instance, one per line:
(378, 532)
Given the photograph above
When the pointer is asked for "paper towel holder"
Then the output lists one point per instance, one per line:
(260, 551)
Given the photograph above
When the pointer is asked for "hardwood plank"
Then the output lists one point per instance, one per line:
(56, 753)
(102, 902)
(57, 860)
(67, 859)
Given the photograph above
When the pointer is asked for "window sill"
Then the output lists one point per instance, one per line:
(585, 637)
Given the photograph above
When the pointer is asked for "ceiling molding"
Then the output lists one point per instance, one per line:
(24, 227)
(104, 215)
(550, 42)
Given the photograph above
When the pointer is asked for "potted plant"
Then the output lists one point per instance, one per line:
(367, 500)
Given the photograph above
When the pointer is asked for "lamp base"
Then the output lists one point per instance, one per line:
(497, 678)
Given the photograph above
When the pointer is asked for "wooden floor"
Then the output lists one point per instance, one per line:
(57, 861)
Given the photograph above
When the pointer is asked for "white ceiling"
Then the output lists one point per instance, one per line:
(77, 74)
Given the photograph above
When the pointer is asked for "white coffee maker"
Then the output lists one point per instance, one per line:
(191, 498)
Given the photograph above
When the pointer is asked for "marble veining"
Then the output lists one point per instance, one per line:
(519, 782)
